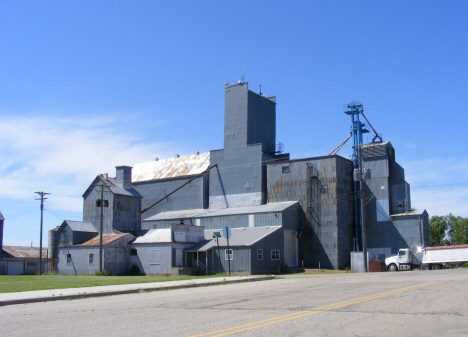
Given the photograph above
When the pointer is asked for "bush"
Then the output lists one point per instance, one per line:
(101, 273)
(134, 270)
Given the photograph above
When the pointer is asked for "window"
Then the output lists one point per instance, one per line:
(91, 258)
(127, 204)
(285, 169)
(228, 255)
(259, 254)
(68, 259)
(133, 251)
(275, 254)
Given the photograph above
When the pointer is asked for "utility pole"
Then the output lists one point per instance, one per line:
(101, 203)
(41, 194)
(101, 227)
(363, 213)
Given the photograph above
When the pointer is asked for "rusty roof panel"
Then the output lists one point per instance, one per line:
(106, 239)
(25, 252)
(171, 167)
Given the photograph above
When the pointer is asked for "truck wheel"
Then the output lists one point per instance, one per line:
(425, 267)
(392, 267)
(436, 267)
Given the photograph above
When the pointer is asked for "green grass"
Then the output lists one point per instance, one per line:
(10, 283)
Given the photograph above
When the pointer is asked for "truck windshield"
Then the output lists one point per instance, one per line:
(402, 253)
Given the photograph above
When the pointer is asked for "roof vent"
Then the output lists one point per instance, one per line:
(156, 159)
(105, 175)
(197, 153)
(177, 156)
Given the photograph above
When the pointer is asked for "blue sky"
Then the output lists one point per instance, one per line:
(87, 86)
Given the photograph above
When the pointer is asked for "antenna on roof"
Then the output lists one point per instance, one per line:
(243, 76)
(260, 89)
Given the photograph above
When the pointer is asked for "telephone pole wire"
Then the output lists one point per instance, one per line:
(41, 194)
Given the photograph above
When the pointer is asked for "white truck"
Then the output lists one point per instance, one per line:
(431, 258)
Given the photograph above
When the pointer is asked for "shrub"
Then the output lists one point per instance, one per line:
(101, 273)
(134, 270)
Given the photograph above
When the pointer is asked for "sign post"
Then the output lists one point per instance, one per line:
(227, 235)
(217, 235)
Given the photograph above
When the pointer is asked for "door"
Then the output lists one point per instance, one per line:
(290, 248)
(15, 267)
(154, 261)
(179, 258)
(402, 257)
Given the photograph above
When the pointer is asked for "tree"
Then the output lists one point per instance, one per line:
(448, 230)
(437, 228)
(459, 232)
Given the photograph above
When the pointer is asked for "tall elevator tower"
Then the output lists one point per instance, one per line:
(354, 109)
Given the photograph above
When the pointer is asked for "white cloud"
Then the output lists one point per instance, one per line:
(62, 156)
(439, 185)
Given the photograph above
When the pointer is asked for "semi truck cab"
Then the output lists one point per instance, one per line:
(402, 261)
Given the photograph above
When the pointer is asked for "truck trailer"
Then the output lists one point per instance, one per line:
(431, 258)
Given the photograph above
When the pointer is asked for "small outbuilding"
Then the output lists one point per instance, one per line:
(22, 260)
(160, 250)
(84, 258)
(256, 250)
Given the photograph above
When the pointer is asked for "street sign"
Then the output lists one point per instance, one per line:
(216, 235)
(227, 232)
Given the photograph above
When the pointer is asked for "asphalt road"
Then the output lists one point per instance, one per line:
(412, 303)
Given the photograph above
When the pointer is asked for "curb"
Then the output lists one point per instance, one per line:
(128, 291)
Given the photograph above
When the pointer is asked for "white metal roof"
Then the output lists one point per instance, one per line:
(239, 237)
(212, 212)
(171, 167)
(155, 236)
(411, 212)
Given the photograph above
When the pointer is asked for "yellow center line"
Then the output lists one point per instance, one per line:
(275, 320)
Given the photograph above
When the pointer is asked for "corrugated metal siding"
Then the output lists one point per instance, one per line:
(171, 167)
(198, 213)
(378, 167)
(402, 231)
(80, 258)
(191, 196)
(80, 226)
(323, 243)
